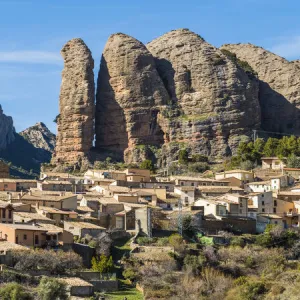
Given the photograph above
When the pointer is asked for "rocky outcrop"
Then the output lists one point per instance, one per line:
(39, 136)
(75, 122)
(6, 130)
(214, 102)
(129, 98)
(279, 87)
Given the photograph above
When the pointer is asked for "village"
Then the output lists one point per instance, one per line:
(58, 210)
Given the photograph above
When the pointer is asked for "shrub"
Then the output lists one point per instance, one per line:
(130, 274)
(14, 291)
(183, 156)
(198, 167)
(237, 241)
(52, 289)
(143, 240)
(92, 244)
(103, 265)
(163, 241)
(147, 164)
(176, 241)
(199, 158)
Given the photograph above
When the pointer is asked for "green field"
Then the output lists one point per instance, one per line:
(126, 290)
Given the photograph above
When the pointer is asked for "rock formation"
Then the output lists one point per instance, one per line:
(279, 87)
(40, 136)
(130, 94)
(75, 122)
(214, 103)
(6, 130)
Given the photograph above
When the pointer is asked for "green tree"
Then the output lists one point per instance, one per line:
(14, 291)
(103, 265)
(52, 289)
(183, 156)
(293, 161)
(147, 164)
(270, 147)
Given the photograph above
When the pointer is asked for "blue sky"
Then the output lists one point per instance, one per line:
(33, 32)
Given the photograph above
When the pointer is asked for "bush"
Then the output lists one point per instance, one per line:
(176, 241)
(199, 158)
(183, 156)
(92, 244)
(103, 265)
(52, 289)
(163, 241)
(143, 240)
(237, 241)
(14, 291)
(198, 167)
(130, 274)
(147, 164)
(56, 262)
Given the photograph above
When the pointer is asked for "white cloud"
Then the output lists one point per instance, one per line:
(33, 57)
(288, 47)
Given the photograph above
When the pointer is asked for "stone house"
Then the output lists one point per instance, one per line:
(55, 185)
(186, 193)
(244, 176)
(80, 229)
(273, 163)
(212, 208)
(197, 181)
(6, 212)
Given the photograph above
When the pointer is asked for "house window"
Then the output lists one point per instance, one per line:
(5, 186)
(262, 195)
(10, 214)
(262, 202)
(3, 212)
(275, 202)
(263, 210)
(241, 204)
(25, 237)
(193, 184)
(36, 239)
(186, 199)
(274, 210)
(181, 183)
(276, 222)
(17, 239)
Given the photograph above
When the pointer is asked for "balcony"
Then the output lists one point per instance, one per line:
(292, 213)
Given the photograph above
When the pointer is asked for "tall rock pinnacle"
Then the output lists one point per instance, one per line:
(129, 96)
(217, 100)
(75, 121)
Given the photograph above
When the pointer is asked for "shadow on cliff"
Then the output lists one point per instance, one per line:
(24, 158)
(277, 113)
(167, 74)
(110, 121)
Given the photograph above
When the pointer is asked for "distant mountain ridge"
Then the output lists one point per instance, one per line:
(27, 150)
(40, 136)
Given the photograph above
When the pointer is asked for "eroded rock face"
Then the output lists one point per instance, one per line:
(75, 123)
(214, 103)
(130, 95)
(279, 87)
(40, 136)
(6, 130)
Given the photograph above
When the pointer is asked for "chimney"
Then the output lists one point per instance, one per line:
(37, 204)
(30, 193)
(9, 197)
(19, 196)
(22, 193)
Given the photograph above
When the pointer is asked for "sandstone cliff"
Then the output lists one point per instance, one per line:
(40, 136)
(279, 87)
(75, 123)
(129, 96)
(214, 102)
(6, 130)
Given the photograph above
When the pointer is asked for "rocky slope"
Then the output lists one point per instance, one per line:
(214, 102)
(76, 104)
(129, 96)
(40, 136)
(279, 87)
(6, 130)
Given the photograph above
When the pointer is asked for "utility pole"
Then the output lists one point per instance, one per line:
(180, 231)
(254, 135)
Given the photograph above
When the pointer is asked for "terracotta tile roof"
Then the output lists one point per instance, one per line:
(83, 225)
